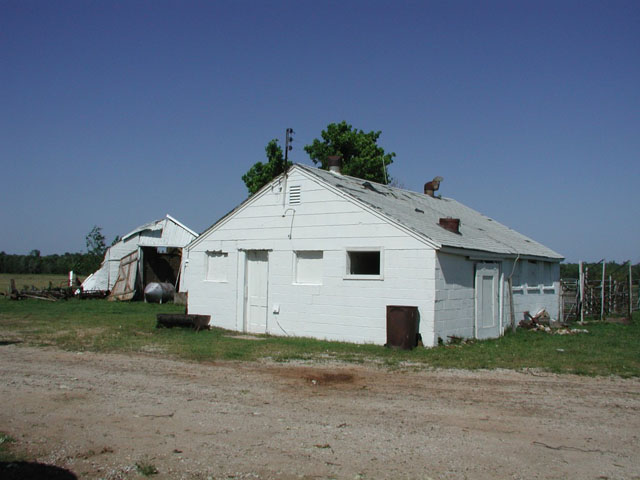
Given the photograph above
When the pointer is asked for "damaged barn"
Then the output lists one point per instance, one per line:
(149, 254)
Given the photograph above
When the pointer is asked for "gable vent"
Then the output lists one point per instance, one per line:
(294, 195)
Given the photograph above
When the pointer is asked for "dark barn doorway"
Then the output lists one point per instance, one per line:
(160, 264)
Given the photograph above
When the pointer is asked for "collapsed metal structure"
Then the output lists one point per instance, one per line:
(149, 253)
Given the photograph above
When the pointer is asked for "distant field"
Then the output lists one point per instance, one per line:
(36, 280)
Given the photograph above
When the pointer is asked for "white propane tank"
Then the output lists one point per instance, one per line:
(156, 292)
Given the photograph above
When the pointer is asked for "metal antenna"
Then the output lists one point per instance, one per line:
(287, 146)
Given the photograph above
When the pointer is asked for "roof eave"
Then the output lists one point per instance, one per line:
(487, 255)
(180, 224)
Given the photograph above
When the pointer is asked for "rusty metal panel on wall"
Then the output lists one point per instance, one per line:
(402, 326)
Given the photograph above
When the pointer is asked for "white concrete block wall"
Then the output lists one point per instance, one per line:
(340, 308)
(455, 297)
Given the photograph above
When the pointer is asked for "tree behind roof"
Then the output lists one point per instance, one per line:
(262, 173)
(361, 155)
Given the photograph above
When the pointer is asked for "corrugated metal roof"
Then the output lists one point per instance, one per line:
(151, 226)
(421, 214)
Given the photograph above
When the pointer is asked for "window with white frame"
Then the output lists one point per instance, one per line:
(216, 266)
(308, 267)
(364, 263)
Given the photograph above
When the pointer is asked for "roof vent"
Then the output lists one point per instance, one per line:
(432, 186)
(451, 224)
(335, 163)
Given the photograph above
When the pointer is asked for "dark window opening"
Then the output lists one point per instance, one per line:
(364, 263)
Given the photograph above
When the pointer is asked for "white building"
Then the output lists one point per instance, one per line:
(320, 254)
(149, 253)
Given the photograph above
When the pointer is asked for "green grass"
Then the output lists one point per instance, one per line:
(146, 468)
(102, 326)
(6, 453)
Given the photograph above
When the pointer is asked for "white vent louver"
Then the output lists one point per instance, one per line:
(294, 195)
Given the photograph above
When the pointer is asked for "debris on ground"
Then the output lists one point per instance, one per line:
(532, 321)
(50, 294)
(558, 331)
(542, 322)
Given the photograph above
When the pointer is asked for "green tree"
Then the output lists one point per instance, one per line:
(96, 247)
(262, 173)
(361, 155)
(95, 241)
(34, 262)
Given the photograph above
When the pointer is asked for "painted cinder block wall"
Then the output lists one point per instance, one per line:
(536, 286)
(341, 308)
(440, 284)
(455, 297)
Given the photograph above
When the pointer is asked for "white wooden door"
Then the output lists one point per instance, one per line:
(256, 288)
(487, 306)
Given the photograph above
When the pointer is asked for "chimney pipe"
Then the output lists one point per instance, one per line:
(451, 224)
(432, 186)
(335, 163)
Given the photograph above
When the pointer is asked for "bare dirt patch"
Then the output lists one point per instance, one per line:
(105, 415)
(316, 376)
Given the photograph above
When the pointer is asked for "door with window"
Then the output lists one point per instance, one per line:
(487, 302)
(256, 289)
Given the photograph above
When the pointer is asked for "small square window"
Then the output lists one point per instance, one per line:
(216, 266)
(364, 262)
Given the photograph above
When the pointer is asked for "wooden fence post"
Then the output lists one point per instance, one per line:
(581, 290)
(512, 314)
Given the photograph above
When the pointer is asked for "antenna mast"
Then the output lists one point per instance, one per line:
(288, 138)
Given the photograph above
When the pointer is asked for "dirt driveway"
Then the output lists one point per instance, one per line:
(99, 415)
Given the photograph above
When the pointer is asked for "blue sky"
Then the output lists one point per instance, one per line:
(115, 113)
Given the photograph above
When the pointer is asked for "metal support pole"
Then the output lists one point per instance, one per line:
(581, 301)
(630, 292)
(604, 262)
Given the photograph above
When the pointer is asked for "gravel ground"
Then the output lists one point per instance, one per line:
(106, 415)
